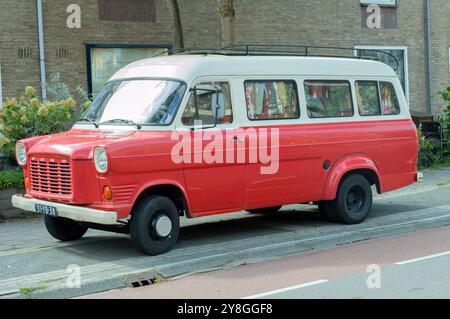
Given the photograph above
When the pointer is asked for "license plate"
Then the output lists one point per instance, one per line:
(45, 210)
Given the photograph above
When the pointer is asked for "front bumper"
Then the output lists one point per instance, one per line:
(77, 213)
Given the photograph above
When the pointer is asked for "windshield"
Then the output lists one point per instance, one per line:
(143, 102)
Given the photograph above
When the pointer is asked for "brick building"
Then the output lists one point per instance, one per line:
(115, 32)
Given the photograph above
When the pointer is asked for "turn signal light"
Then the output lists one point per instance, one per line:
(107, 192)
(27, 183)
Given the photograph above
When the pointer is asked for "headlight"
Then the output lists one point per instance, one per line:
(100, 160)
(21, 154)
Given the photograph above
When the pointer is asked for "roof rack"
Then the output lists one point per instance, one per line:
(184, 51)
(305, 50)
(292, 50)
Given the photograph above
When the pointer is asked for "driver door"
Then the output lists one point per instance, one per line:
(213, 185)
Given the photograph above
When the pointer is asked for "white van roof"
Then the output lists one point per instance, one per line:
(188, 67)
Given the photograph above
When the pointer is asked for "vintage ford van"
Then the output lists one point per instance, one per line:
(200, 134)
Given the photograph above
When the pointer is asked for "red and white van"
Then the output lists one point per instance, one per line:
(195, 135)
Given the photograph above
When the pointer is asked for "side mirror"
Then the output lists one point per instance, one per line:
(215, 105)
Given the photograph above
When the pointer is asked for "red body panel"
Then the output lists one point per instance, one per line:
(142, 159)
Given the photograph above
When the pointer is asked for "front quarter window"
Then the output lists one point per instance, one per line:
(203, 102)
(145, 102)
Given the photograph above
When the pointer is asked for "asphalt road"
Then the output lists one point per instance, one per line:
(32, 264)
(413, 265)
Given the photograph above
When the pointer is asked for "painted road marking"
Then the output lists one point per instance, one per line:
(422, 258)
(274, 292)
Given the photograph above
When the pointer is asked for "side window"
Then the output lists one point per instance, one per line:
(271, 99)
(209, 97)
(328, 98)
(389, 101)
(368, 98)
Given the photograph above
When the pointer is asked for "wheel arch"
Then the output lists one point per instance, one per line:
(169, 189)
(347, 165)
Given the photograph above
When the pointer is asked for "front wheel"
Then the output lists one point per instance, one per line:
(155, 225)
(64, 229)
(353, 200)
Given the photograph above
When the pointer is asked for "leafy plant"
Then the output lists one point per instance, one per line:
(11, 179)
(446, 119)
(59, 90)
(27, 291)
(28, 116)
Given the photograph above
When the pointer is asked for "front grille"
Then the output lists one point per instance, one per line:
(51, 175)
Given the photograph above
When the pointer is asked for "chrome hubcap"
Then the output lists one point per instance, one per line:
(163, 226)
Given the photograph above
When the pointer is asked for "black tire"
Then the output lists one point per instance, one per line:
(265, 211)
(143, 225)
(64, 229)
(325, 211)
(353, 200)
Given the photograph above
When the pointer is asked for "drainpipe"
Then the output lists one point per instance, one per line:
(41, 50)
(429, 54)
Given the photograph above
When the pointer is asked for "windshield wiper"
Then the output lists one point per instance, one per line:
(86, 119)
(130, 122)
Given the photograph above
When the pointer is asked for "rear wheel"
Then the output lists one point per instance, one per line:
(64, 229)
(353, 200)
(155, 225)
(265, 211)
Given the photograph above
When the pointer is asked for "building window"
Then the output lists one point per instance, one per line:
(328, 98)
(272, 99)
(400, 53)
(127, 11)
(105, 60)
(449, 65)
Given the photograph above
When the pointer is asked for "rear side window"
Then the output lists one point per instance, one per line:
(368, 98)
(389, 100)
(206, 96)
(271, 99)
(328, 98)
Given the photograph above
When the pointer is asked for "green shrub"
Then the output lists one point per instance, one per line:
(446, 119)
(28, 116)
(58, 90)
(428, 154)
(11, 179)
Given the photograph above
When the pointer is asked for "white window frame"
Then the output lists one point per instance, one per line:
(405, 59)
(387, 3)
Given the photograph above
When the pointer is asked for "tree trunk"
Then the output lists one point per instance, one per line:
(175, 11)
(227, 27)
